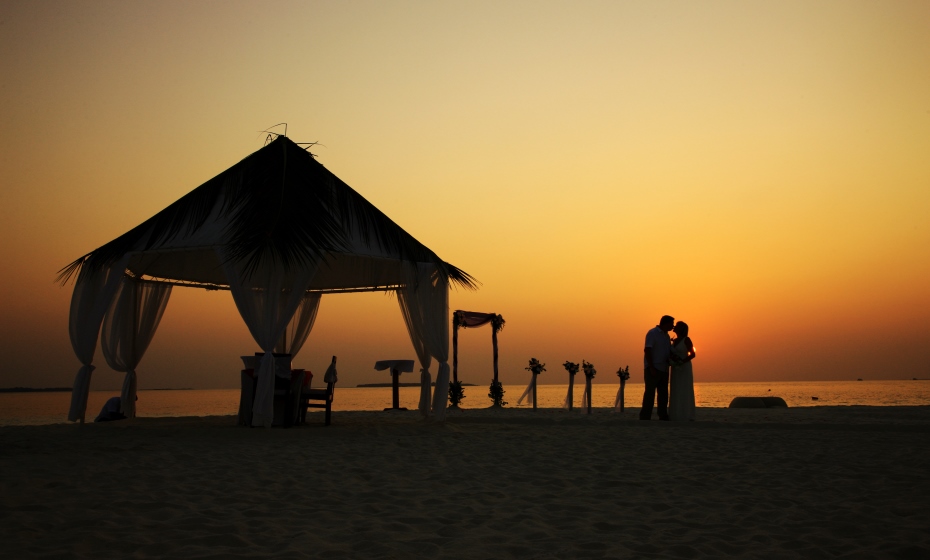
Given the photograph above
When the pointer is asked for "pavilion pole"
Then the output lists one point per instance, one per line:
(534, 390)
(455, 353)
(494, 345)
(622, 396)
(571, 391)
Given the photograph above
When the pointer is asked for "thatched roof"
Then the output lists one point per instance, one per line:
(279, 207)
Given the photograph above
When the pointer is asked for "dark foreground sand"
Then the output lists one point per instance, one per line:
(828, 482)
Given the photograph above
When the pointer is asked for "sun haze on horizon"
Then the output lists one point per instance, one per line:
(756, 170)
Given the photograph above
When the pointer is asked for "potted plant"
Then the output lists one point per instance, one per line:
(496, 394)
(456, 394)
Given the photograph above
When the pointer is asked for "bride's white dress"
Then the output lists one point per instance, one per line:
(681, 394)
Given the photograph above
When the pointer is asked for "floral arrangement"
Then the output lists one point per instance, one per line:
(456, 393)
(458, 319)
(535, 366)
(675, 360)
(571, 367)
(623, 373)
(589, 370)
(496, 393)
(497, 323)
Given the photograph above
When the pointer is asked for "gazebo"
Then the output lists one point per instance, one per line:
(278, 230)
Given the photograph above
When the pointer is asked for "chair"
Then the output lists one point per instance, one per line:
(324, 396)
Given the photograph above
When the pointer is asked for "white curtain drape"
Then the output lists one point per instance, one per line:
(586, 396)
(92, 295)
(424, 304)
(528, 393)
(299, 327)
(571, 392)
(423, 356)
(266, 299)
(128, 328)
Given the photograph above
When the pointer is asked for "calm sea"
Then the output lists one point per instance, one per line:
(52, 408)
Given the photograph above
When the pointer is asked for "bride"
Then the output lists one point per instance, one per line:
(681, 397)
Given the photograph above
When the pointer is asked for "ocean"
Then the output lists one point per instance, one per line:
(22, 409)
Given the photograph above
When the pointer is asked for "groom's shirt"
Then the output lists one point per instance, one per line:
(661, 345)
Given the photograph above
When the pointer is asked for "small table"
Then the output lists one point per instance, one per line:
(396, 367)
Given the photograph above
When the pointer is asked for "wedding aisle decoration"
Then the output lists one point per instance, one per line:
(572, 369)
(465, 319)
(623, 374)
(535, 368)
(589, 373)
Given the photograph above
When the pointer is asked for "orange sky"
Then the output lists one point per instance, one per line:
(759, 170)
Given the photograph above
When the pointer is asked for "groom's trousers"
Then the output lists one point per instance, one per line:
(656, 388)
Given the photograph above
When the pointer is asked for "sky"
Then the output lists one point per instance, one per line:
(760, 170)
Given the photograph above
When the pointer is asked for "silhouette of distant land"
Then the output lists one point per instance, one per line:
(34, 390)
(68, 389)
(433, 384)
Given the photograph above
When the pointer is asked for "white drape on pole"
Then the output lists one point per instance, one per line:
(424, 304)
(128, 328)
(528, 393)
(266, 299)
(586, 396)
(89, 302)
(567, 404)
(419, 347)
(299, 327)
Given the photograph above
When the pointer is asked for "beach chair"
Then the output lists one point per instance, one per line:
(319, 398)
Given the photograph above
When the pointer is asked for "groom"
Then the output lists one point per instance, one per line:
(658, 350)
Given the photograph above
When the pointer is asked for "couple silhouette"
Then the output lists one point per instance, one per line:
(667, 359)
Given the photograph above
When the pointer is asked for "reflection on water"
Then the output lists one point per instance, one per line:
(52, 408)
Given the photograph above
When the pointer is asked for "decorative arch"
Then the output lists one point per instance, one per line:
(471, 319)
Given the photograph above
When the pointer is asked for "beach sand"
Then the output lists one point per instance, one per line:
(824, 482)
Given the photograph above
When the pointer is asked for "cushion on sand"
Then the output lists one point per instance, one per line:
(747, 402)
(758, 402)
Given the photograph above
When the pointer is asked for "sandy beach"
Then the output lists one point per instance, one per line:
(825, 482)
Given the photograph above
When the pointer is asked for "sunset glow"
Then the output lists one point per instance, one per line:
(758, 170)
